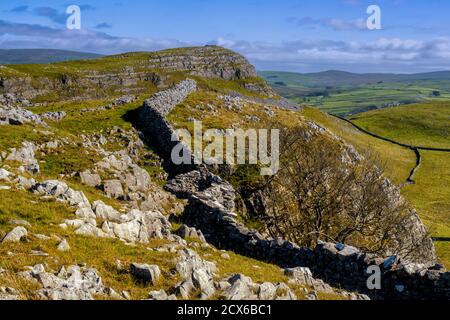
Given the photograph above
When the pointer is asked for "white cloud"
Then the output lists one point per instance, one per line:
(382, 55)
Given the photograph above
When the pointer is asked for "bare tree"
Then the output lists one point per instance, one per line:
(318, 195)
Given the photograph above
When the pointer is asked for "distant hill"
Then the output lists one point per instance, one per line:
(346, 93)
(40, 56)
(341, 78)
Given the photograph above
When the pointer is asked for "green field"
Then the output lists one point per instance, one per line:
(344, 94)
(425, 125)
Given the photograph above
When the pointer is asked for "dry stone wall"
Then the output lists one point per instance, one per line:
(211, 210)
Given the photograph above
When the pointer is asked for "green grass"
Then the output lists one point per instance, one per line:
(424, 125)
(398, 161)
(431, 197)
(431, 193)
(369, 97)
(13, 136)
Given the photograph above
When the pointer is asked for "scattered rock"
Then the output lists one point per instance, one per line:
(160, 295)
(187, 232)
(242, 288)
(267, 291)
(9, 294)
(4, 175)
(225, 256)
(73, 283)
(18, 116)
(105, 212)
(61, 192)
(54, 115)
(63, 246)
(90, 179)
(16, 235)
(145, 273)
(197, 274)
(42, 237)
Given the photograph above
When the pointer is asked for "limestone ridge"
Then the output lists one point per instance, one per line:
(211, 210)
(132, 73)
(206, 62)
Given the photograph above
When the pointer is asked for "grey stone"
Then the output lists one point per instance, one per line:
(15, 235)
(54, 115)
(241, 289)
(85, 213)
(5, 174)
(63, 246)
(90, 230)
(146, 273)
(105, 212)
(113, 188)
(203, 280)
(18, 116)
(60, 191)
(25, 155)
(187, 232)
(90, 179)
(267, 291)
(73, 283)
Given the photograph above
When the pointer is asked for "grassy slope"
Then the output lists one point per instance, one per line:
(398, 161)
(428, 126)
(425, 125)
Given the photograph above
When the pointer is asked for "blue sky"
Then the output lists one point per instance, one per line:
(291, 35)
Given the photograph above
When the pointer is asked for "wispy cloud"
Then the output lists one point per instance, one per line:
(103, 25)
(19, 9)
(87, 7)
(59, 17)
(21, 35)
(51, 13)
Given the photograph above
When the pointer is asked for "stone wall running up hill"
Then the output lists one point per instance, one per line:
(211, 210)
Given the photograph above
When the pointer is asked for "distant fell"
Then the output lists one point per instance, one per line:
(336, 78)
(41, 56)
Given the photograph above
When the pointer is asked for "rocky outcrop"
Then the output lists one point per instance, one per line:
(54, 115)
(62, 192)
(207, 62)
(25, 156)
(73, 283)
(18, 116)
